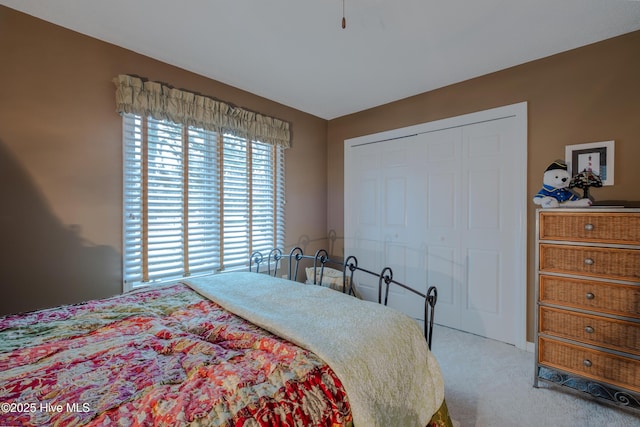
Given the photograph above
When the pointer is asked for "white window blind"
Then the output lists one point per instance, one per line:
(195, 201)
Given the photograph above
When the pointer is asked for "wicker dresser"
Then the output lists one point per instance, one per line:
(588, 302)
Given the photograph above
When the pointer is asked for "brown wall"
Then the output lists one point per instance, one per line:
(61, 162)
(585, 95)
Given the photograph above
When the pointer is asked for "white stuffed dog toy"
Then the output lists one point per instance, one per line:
(554, 192)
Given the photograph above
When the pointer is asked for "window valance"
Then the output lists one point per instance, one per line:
(162, 102)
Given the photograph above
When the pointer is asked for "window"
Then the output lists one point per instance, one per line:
(196, 201)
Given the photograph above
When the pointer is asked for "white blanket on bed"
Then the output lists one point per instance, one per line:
(379, 354)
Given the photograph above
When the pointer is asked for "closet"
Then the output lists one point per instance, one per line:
(443, 204)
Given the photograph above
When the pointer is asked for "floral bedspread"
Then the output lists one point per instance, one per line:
(166, 356)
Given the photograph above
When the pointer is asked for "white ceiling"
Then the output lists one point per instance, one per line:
(296, 53)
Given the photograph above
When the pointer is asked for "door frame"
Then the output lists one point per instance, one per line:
(517, 111)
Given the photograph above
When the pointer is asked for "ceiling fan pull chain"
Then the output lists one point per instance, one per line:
(344, 20)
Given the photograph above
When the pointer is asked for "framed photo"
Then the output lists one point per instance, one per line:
(595, 156)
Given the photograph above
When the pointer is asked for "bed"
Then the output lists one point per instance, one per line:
(228, 349)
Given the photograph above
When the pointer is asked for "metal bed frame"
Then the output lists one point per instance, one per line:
(321, 260)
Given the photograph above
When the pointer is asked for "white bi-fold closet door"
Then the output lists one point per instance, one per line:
(444, 204)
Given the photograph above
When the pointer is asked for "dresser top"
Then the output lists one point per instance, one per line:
(592, 209)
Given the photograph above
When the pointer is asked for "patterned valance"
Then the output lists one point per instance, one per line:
(162, 102)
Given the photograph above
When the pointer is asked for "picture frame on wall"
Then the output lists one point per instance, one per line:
(595, 156)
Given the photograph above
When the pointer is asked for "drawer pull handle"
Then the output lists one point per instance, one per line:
(588, 261)
(590, 295)
(588, 227)
(587, 363)
(589, 330)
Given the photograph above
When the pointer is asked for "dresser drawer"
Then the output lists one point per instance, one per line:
(621, 264)
(612, 298)
(596, 330)
(597, 227)
(617, 370)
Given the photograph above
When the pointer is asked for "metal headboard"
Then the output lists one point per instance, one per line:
(320, 260)
(350, 265)
(273, 259)
(430, 299)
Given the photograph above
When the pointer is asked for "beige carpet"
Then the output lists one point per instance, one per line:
(488, 383)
